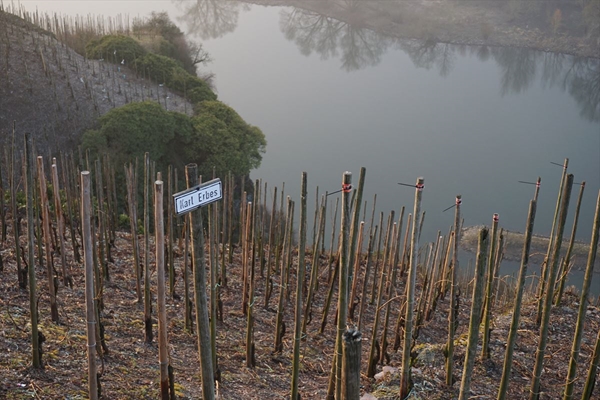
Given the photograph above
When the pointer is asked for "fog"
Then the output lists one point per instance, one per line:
(335, 94)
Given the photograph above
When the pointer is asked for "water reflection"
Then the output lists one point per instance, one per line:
(519, 69)
(580, 77)
(428, 54)
(585, 89)
(314, 32)
(359, 47)
(210, 19)
(483, 53)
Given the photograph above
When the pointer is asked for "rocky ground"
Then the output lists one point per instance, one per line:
(130, 369)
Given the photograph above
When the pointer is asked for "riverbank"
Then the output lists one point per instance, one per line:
(513, 247)
(532, 25)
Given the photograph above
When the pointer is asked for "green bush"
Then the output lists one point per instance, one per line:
(200, 94)
(167, 71)
(184, 134)
(115, 48)
(233, 144)
(167, 49)
(215, 137)
(21, 199)
(168, 40)
(128, 132)
(157, 68)
(124, 221)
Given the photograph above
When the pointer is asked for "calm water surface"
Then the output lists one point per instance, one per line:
(331, 97)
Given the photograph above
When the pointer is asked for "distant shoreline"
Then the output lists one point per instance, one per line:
(513, 247)
(469, 23)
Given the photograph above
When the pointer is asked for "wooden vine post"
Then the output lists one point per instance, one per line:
(353, 285)
(432, 290)
(410, 292)
(487, 307)
(544, 273)
(372, 361)
(279, 322)
(147, 296)
(246, 248)
(102, 226)
(335, 388)
(567, 259)
(170, 233)
(299, 290)
(331, 245)
(268, 282)
(33, 309)
(314, 273)
(391, 283)
(47, 240)
(351, 365)
(159, 232)
(21, 272)
(514, 325)
(453, 312)
(67, 280)
(37, 205)
(225, 230)
(130, 175)
(249, 275)
(203, 328)
(549, 294)
(583, 304)
(538, 184)
(70, 177)
(363, 296)
(354, 226)
(214, 272)
(465, 385)
(186, 279)
(377, 258)
(88, 252)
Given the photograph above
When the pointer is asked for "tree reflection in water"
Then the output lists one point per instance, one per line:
(580, 77)
(518, 66)
(359, 47)
(428, 54)
(313, 32)
(210, 19)
(585, 89)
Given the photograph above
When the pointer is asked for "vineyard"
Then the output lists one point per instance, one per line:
(106, 291)
(220, 293)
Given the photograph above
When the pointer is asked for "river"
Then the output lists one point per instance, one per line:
(331, 96)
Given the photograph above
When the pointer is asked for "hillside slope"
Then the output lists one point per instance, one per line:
(55, 94)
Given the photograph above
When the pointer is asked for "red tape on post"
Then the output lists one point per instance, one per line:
(420, 186)
(346, 188)
(496, 218)
(458, 201)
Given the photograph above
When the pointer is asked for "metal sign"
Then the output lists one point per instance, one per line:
(198, 196)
